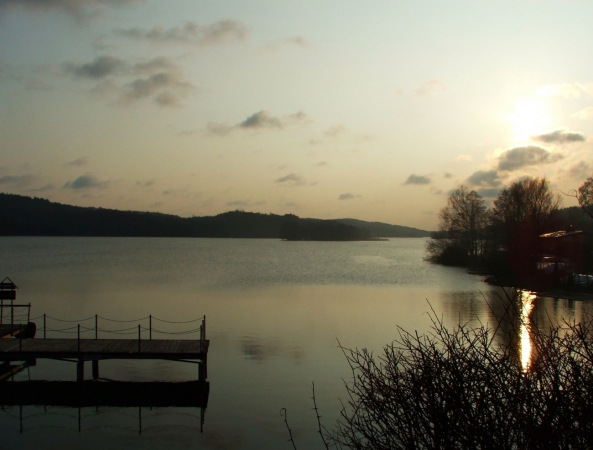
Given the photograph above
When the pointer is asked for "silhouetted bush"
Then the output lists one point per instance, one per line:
(463, 389)
(448, 252)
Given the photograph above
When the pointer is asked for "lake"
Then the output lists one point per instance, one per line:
(275, 311)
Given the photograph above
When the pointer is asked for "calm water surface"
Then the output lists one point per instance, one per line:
(275, 312)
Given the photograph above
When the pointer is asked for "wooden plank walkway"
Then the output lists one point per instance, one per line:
(97, 349)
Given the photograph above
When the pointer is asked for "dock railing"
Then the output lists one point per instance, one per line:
(11, 313)
(80, 327)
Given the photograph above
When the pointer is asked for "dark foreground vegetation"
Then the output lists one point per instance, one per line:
(26, 216)
(471, 388)
(525, 239)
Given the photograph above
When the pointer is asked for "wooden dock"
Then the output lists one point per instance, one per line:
(97, 349)
(18, 343)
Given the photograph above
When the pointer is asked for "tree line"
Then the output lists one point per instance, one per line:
(325, 230)
(26, 216)
(506, 236)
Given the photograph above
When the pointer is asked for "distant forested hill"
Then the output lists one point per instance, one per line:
(379, 229)
(26, 216)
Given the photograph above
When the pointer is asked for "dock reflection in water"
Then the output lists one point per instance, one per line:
(15, 397)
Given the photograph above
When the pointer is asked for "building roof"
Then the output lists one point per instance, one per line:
(557, 234)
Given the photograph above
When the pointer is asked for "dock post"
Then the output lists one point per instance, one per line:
(138, 338)
(80, 363)
(1, 309)
(95, 369)
(202, 370)
(12, 312)
(150, 327)
(80, 370)
(96, 327)
(44, 326)
(20, 337)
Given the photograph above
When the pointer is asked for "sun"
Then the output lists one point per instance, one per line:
(530, 117)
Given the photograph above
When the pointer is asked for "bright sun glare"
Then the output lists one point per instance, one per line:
(530, 117)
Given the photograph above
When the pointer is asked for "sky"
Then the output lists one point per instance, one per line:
(372, 110)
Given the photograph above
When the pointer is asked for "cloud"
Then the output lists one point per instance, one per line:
(18, 181)
(560, 136)
(584, 113)
(431, 87)
(83, 161)
(191, 33)
(79, 9)
(259, 120)
(101, 67)
(86, 182)
(291, 179)
(348, 196)
(487, 182)
(485, 178)
(166, 89)
(321, 164)
(464, 158)
(166, 83)
(447, 175)
(160, 79)
(417, 179)
(530, 155)
(157, 64)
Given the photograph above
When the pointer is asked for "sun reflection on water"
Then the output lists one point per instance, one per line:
(527, 299)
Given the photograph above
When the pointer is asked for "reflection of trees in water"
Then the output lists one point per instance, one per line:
(497, 309)
(511, 313)
(464, 306)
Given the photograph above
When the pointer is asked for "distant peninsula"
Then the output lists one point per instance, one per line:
(32, 216)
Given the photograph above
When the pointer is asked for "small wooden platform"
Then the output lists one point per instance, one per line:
(98, 349)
